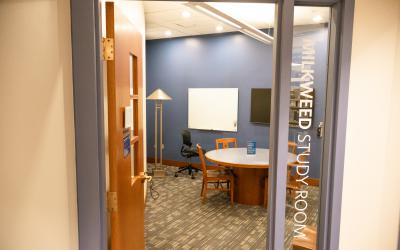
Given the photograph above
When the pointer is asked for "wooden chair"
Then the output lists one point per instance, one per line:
(308, 242)
(292, 146)
(225, 142)
(215, 175)
(292, 185)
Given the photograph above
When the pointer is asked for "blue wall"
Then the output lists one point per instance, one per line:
(224, 60)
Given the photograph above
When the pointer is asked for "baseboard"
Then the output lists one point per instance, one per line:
(174, 163)
(311, 181)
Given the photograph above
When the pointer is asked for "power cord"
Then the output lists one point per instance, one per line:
(153, 192)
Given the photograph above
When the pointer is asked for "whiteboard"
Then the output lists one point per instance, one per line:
(213, 108)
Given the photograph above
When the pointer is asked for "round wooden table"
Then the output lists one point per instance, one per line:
(249, 170)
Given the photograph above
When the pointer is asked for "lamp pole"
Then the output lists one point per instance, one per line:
(158, 96)
(158, 113)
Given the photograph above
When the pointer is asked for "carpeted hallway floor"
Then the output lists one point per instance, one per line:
(179, 220)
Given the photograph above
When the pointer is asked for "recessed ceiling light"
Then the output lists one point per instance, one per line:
(219, 28)
(168, 33)
(186, 14)
(317, 18)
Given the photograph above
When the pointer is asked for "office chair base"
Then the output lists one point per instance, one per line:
(189, 168)
(192, 176)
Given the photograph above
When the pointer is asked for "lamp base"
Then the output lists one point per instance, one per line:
(159, 171)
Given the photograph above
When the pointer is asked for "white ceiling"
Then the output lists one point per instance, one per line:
(163, 16)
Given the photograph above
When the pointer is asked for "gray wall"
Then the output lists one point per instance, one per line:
(223, 60)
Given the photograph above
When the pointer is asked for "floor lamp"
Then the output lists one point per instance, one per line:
(158, 96)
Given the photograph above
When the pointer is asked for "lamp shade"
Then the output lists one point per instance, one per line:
(159, 95)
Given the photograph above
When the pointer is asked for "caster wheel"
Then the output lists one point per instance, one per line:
(192, 176)
(176, 175)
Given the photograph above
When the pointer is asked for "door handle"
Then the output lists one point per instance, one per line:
(142, 177)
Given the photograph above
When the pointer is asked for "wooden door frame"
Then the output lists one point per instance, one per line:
(89, 121)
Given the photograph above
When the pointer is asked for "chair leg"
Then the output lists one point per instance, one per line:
(181, 169)
(292, 193)
(205, 191)
(266, 192)
(202, 190)
(232, 193)
(292, 196)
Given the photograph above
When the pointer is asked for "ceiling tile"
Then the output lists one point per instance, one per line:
(167, 15)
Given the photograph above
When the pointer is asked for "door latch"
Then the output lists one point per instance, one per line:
(320, 130)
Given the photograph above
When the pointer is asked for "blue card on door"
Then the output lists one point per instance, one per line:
(251, 147)
(126, 142)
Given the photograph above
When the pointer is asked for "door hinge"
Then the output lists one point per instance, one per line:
(112, 202)
(108, 48)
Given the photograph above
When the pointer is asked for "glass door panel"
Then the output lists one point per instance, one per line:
(134, 98)
(306, 119)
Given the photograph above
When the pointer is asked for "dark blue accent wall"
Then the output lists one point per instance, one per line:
(228, 60)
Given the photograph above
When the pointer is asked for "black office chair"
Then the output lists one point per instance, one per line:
(188, 151)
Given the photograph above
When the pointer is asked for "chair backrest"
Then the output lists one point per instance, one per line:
(186, 138)
(202, 160)
(225, 142)
(292, 146)
(304, 157)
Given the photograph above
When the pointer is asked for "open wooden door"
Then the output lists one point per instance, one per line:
(124, 89)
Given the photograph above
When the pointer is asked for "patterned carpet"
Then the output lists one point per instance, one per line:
(179, 220)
